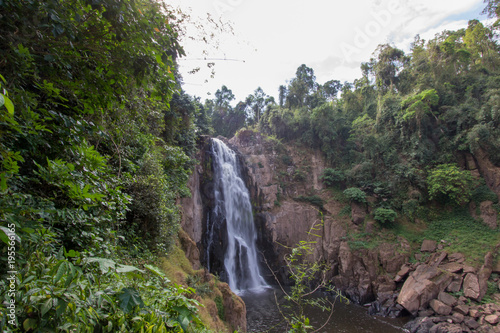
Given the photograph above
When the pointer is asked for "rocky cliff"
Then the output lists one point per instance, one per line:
(289, 199)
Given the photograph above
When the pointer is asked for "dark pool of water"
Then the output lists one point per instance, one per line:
(263, 315)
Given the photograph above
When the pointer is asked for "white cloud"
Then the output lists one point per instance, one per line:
(274, 37)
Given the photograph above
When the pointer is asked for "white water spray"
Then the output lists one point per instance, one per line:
(232, 196)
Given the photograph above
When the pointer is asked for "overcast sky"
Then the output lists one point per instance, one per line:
(273, 37)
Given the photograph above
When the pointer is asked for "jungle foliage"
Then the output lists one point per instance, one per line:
(403, 131)
(97, 141)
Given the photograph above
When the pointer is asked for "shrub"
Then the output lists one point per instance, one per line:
(384, 215)
(332, 176)
(355, 194)
(447, 181)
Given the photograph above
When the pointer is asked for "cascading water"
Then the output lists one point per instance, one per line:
(232, 203)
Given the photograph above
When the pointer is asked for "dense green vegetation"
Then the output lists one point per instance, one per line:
(96, 146)
(98, 139)
(402, 132)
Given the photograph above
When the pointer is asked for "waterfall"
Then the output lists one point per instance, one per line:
(232, 203)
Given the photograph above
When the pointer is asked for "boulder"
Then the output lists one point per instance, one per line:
(452, 267)
(422, 286)
(456, 257)
(471, 286)
(463, 309)
(471, 323)
(484, 274)
(437, 258)
(492, 319)
(428, 246)
(457, 317)
(455, 285)
(403, 272)
(447, 299)
(446, 328)
(440, 308)
(474, 313)
(419, 325)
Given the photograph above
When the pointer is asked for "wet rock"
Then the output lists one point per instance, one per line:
(446, 328)
(440, 308)
(426, 313)
(428, 246)
(419, 325)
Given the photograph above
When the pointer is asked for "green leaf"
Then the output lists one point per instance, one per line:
(129, 299)
(8, 103)
(126, 268)
(60, 271)
(3, 236)
(61, 307)
(156, 271)
(46, 306)
(104, 264)
(30, 324)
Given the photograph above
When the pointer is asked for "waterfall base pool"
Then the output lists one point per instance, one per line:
(263, 315)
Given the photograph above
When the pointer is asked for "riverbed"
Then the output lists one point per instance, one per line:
(263, 315)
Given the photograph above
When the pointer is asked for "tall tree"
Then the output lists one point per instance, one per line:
(257, 103)
(301, 87)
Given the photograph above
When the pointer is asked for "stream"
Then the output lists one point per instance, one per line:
(264, 316)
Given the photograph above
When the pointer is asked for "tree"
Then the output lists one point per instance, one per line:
(493, 10)
(282, 95)
(301, 86)
(257, 103)
(479, 40)
(223, 98)
(387, 66)
(331, 89)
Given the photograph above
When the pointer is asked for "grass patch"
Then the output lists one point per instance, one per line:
(463, 234)
(345, 211)
(362, 240)
(176, 266)
(220, 307)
